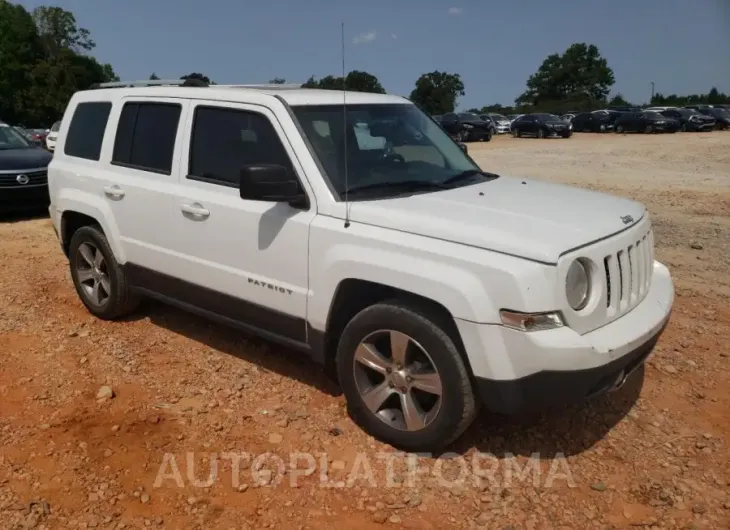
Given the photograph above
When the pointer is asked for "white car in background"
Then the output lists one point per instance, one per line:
(501, 122)
(52, 137)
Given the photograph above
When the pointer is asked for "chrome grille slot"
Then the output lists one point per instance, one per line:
(35, 178)
(628, 275)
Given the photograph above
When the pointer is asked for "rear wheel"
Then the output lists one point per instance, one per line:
(649, 129)
(516, 133)
(541, 133)
(404, 378)
(99, 280)
(620, 129)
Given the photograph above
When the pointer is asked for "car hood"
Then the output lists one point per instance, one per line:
(22, 159)
(532, 219)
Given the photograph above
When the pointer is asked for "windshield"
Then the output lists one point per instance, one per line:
(498, 117)
(654, 115)
(468, 116)
(56, 126)
(719, 112)
(12, 139)
(382, 144)
(688, 112)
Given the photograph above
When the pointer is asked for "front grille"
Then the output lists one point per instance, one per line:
(628, 274)
(35, 178)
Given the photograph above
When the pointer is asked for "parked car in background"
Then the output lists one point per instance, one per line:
(656, 109)
(540, 126)
(466, 127)
(501, 122)
(596, 121)
(647, 121)
(690, 119)
(721, 115)
(488, 119)
(52, 137)
(703, 108)
(624, 108)
(30, 136)
(567, 117)
(23, 171)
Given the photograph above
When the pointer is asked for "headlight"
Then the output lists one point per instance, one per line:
(577, 285)
(467, 126)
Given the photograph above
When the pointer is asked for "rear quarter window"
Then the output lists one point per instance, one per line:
(86, 132)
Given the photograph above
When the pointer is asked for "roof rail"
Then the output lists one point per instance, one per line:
(151, 82)
(269, 86)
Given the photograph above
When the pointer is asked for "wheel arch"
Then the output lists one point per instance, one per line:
(83, 209)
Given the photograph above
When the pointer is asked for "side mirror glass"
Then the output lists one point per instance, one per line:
(271, 183)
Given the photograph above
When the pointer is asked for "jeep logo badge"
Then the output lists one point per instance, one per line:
(627, 219)
(22, 179)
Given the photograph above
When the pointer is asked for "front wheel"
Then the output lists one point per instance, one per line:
(620, 129)
(541, 133)
(516, 133)
(404, 378)
(649, 129)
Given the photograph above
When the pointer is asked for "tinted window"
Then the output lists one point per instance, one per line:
(225, 140)
(146, 136)
(86, 132)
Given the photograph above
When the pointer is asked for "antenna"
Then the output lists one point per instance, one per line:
(344, 126)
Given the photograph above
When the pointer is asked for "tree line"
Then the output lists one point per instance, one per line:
(45, 57)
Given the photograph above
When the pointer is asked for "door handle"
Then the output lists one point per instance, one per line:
(114, 192)
(195, 211)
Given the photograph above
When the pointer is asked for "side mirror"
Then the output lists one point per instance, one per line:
(271, 183)
(463, 147)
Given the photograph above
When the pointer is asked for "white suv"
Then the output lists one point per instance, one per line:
(428, 285)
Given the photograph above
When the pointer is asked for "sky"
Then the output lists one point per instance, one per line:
(683, 46)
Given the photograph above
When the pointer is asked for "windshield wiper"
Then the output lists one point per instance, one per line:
(467, 175)
(406, 184)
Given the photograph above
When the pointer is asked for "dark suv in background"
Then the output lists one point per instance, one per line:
(596, 121)
(23, 172)
(648, 121)
(690, 119)
(466, 127)
(541, 126)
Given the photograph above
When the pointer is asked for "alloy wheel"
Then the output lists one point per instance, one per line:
(92, 274)
(397, 380)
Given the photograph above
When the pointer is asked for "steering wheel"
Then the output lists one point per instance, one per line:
(393, 157)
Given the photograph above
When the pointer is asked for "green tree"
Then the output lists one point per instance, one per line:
(154, 77)
(618, 100)
(20, 50)
(356, 81)
(437, 92)
(578, 77)
(58, 30)
(196, 75)
(277, 81)
(43, 60)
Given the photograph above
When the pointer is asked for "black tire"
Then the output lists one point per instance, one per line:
(516, 133)
(619, 129)
(121, 300)
(488, 137)
(459, 405)
(683, 128)
(541, 133)
(649, 129)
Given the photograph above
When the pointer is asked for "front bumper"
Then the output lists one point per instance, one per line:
(522, 371)
(22, 198)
